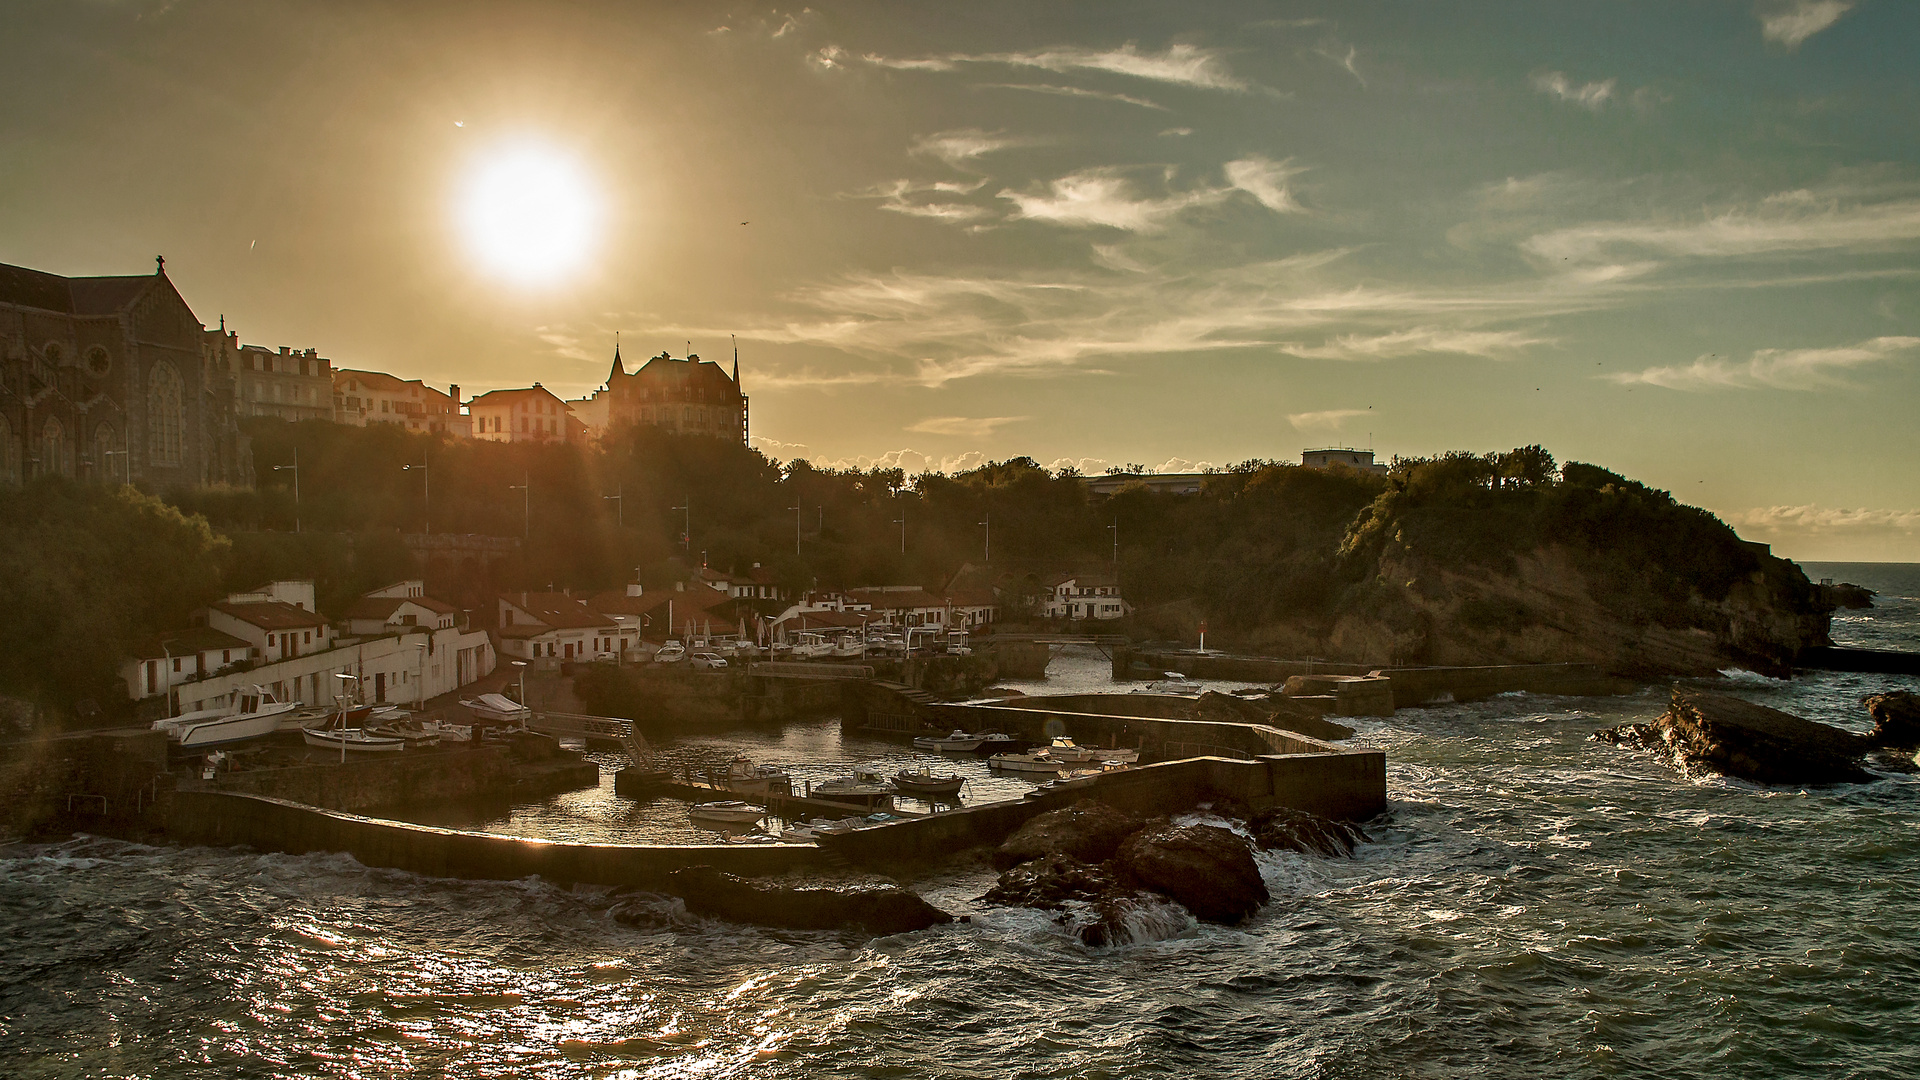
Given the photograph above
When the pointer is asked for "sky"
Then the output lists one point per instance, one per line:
(1676, 238)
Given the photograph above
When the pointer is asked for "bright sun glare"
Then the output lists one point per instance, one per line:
(529, 213)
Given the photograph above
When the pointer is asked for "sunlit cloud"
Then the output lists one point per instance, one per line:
(1345, 58)
(1797, 20)
(1483, 343)
(1777, 369)
(973, 426)
(1791, 221)
(1104, 198)
(959, 148)
(1593, 95)
(1814, 518)
(899, 197)
(1324, 420)
(1266, 181)
(1075, 91)
(1179, 64)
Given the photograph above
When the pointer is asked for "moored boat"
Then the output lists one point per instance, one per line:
(731, 812)
(499, 710)
(863, 788)
(959, 742)
(746, 777)
(350, 738)
(927, 785)
(1037, 762)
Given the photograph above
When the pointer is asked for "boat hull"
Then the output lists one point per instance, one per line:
(353, 739)
(1023, 763)
(230, 729)
(934, 787)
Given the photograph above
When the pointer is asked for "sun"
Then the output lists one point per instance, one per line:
(529, 213)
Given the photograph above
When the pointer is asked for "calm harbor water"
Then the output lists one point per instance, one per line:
(1533, 904)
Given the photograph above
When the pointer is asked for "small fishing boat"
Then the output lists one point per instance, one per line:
(732, 812)
(927, 785)
(994, 742)
(415, 732)
(863, 788)
(252, 715)
(351, 738)
(746, 777)
(1172, 682)
(1065, 749)
(1037, 762)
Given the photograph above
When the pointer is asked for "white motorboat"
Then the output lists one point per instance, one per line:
(862, 788)
(499, 710)
(1172, 682)
(958, 743)
(252, 715)
(670, 653)
(746, 777)
(1064, 749)
(1036, 762)
(808, 645)
(731, 812)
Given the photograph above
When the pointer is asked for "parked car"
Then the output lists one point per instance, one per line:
(707, 660)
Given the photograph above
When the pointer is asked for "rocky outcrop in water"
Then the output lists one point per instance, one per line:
(1896, 720)
(1206, 869)
(1051, 881)
(1846, 595)
(1282, 828)
(1088, 831)
(876, 909)
(1737, 738)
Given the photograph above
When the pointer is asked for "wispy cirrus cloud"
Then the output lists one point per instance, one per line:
(1489, 344)
(1776, 369)
(1075, 91)
(1177, 64)
(960, 148)
(1802, 220)
(1324, 420)
(1814, 518)
(1109, 198)
(971, 426)
(1592, 96)
(1797, 20)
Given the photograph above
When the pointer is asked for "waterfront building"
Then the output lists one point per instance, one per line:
(687, 396)
(375, 397)
(533, 414)
(555, 627)
(1082, 596)
(903, 605)
(113, 378)
(273, 637)
(1341, 457)
(677, 612)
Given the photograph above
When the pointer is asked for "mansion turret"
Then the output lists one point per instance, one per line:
(688, 397)
(111, 378)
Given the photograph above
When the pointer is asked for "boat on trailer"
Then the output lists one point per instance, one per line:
(253, 714)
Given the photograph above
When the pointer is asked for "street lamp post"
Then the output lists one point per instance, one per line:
(296, 485)
(124, 452)
(426, 492)
(619, 505)
(525, 487)
(902, 522)
(686, 525)
(796, 528)
(989, 526)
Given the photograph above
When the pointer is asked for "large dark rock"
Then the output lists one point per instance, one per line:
(879, 910)
(1287, 829)
(1896, 719)
(1737, 738)
(1049, 881)
(1846, 595)
(1087, 831)
(1207, 869)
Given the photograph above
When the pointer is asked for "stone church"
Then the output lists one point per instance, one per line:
(113, 378)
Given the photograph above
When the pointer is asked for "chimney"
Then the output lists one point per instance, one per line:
(453, 391)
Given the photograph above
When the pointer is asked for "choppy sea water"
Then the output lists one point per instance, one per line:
(1533, 904)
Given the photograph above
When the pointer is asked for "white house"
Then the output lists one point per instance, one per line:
(1082, 596)
(173, 659)
(550, 625)
(906, 605)
(397, 606)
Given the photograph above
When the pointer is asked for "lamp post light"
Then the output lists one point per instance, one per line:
(296, 485)
(619, 505)
(988, 523)
(686, 525)
(525, 488)
(426, 492)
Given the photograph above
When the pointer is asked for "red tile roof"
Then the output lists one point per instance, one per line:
(272, 615)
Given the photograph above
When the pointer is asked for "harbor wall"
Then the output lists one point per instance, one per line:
(530, 765)
(1215, 665)
(226, 818)
(1152, 735)
(1414, 686)
(1348, 785)
(101, 780)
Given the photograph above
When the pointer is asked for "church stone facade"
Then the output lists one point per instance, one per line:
(110, 378)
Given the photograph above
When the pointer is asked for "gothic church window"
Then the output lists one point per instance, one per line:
(98, 362)
(56, 457)
(166, 415)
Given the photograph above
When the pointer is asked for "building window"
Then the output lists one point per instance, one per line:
(166, 415)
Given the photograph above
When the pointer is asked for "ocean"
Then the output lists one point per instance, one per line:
(1532, 904)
